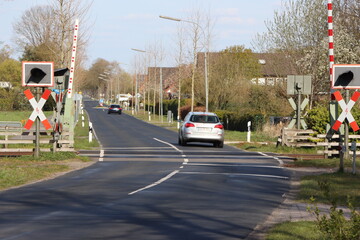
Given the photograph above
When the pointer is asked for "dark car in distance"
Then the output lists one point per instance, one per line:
(114, 108)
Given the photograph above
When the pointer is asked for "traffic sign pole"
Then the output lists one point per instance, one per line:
(346, 140)
(37, 138)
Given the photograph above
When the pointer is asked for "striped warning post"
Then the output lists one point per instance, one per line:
(73, 56)
(331, 44)
(37, 112)
(346, 111)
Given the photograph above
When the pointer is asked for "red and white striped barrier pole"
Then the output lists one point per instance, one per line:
(331, 44)
(73, 56)
(37, 112)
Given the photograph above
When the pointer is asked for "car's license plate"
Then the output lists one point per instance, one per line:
(203, 129)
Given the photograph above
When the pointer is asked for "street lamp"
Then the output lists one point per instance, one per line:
(136, 82)
(105, 76)
(205, 67)
(161, 90)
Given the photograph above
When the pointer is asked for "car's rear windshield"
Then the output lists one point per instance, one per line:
(115, 106)
(204, 119)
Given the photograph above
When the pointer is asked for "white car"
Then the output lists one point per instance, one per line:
(202, 127)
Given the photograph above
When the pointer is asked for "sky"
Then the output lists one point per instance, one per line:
(117, 26)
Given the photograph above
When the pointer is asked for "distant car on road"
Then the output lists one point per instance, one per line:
(202, 127)
(114, 108)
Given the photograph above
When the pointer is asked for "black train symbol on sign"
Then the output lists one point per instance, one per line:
(344, 79)
(36, 75)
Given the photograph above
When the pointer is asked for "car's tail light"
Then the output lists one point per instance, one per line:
(220, 126)
(187, 125)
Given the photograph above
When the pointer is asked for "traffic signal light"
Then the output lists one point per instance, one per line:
(37, 74)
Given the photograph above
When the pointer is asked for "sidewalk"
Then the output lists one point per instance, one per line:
(290, 209)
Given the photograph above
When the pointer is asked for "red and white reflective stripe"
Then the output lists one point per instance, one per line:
(37, 109)
(73, 56)
(346, 111)
(331, 42)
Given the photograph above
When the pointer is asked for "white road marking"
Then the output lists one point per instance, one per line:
(169, 175)
(156, 183)
(168, 144)
(276, 158)
(237, 174)
(234, 165)
(101, 158)
(136, 148)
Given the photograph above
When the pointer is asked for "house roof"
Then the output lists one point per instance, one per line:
(272, 64)
(275, 65)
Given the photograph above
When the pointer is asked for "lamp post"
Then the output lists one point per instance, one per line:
(160, 88)
(105, 77)
(109, 82)
(205, 63)
(136, 82)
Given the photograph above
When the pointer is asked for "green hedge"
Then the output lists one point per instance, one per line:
(238, 121)
(232, 120)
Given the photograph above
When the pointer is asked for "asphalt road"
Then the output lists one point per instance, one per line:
(145, 186)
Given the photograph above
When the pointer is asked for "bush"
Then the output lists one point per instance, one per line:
(317, 118)
(336, 226)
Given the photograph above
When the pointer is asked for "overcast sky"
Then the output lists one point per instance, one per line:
(119, 25)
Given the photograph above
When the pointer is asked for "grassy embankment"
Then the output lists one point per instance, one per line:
(15, 171)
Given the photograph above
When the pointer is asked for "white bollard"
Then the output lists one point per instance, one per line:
(249, 131)
(82, 121)
(90, 131)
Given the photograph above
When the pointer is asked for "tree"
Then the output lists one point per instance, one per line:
(5, 53)
(347, 15)
(299, 30)
(46, 32)
(11, 98)
(231, 71)
(10, 71)
(93, 86)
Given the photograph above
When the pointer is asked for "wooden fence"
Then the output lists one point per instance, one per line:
(309, 138)
(12, 133)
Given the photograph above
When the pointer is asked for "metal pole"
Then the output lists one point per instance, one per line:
(346, 140)
(298, 119)
(37, 135)
(179, 100)
(111, 91)
(161, 96)
(206, 83)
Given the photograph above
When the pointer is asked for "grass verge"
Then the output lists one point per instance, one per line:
(322, 163)
(81, 135)
(294, 231)
(342, 185)
(16, 171)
